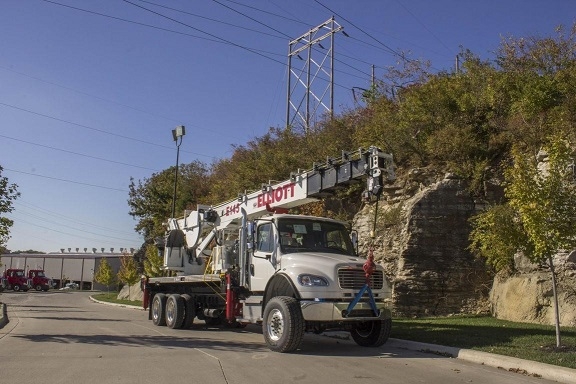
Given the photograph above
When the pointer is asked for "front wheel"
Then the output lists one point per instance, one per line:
(283, 325)
(16, 288)
(372, 333)
(38, 287)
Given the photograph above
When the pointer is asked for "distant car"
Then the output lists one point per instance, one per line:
(69, 286)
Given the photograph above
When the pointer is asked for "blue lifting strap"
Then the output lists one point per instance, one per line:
(358, 297)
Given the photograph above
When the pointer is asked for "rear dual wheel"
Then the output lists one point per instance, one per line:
(175, 310)
(189, 311)
(158, 309)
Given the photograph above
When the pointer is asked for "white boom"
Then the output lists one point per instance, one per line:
(200, 227)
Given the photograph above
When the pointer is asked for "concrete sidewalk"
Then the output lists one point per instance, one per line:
(526, 367)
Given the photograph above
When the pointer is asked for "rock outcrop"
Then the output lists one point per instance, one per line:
(527, 296)
(131, 292)
(421, 239)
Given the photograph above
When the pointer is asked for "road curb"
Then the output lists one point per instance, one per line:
(526, 367)
(116, 304)
(3, 315)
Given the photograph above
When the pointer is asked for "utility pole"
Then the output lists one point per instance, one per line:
(306, 99)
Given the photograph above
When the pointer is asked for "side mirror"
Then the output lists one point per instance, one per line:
(250, 229)
(354, 239)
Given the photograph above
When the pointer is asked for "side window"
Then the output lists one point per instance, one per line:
(265, 240)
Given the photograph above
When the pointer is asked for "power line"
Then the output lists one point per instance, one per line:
(211, 19)
(96, 129)
(129, 21)
(361, 30)
(78, 154)
(67, 181)
(390, 50)
(149, 112)
(199, 30)
(268, 13)
(251, 18)
(231, 43)
(27, 205)
(91, 95)
(70, 234)
(70, 227)
(424, 26)
(218, 39)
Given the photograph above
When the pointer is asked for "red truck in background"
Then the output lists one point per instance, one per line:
(16, 279)
(39, 281)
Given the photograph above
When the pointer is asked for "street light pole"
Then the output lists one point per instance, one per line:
(177, 133)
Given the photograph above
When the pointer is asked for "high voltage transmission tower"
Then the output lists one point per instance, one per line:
(311, 87)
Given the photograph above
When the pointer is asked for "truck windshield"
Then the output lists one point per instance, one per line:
(306, 235)
(19, 273)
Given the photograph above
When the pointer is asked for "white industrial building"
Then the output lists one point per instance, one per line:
(67, 266)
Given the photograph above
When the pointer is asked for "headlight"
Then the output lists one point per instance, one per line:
(312, 280)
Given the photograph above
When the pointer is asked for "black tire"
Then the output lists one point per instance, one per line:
(372, 333)
(283, 324)
(175, 309)
(158, 309)
(16, 288)
(189, 311)
(38, 287)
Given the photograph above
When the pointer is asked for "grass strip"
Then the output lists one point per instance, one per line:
(112, 297)
(528, 341)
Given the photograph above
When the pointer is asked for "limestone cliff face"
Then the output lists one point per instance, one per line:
(527, 296)
(421, 239)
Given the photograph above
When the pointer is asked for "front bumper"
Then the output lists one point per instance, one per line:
(338, 311)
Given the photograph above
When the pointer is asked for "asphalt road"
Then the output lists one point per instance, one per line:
(63, 337)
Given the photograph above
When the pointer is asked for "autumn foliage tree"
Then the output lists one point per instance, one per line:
(153, 262)
(539, 218)
(128, 272)
(104, 274)
(150, 200)
(8, 194)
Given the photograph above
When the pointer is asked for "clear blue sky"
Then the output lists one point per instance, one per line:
(90, 90)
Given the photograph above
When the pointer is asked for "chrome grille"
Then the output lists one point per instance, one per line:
(355, 279)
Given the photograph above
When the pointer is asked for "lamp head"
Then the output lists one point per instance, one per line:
(179, 131)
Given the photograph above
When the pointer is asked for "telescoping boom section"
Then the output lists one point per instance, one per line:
(249, 261)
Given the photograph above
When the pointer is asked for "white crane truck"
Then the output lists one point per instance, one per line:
(249, 261)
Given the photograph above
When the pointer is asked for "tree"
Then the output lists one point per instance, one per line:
(153, 262)
(105, 275)
(150, 200)
(128, 272)
(540, 217)
(8, 194)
